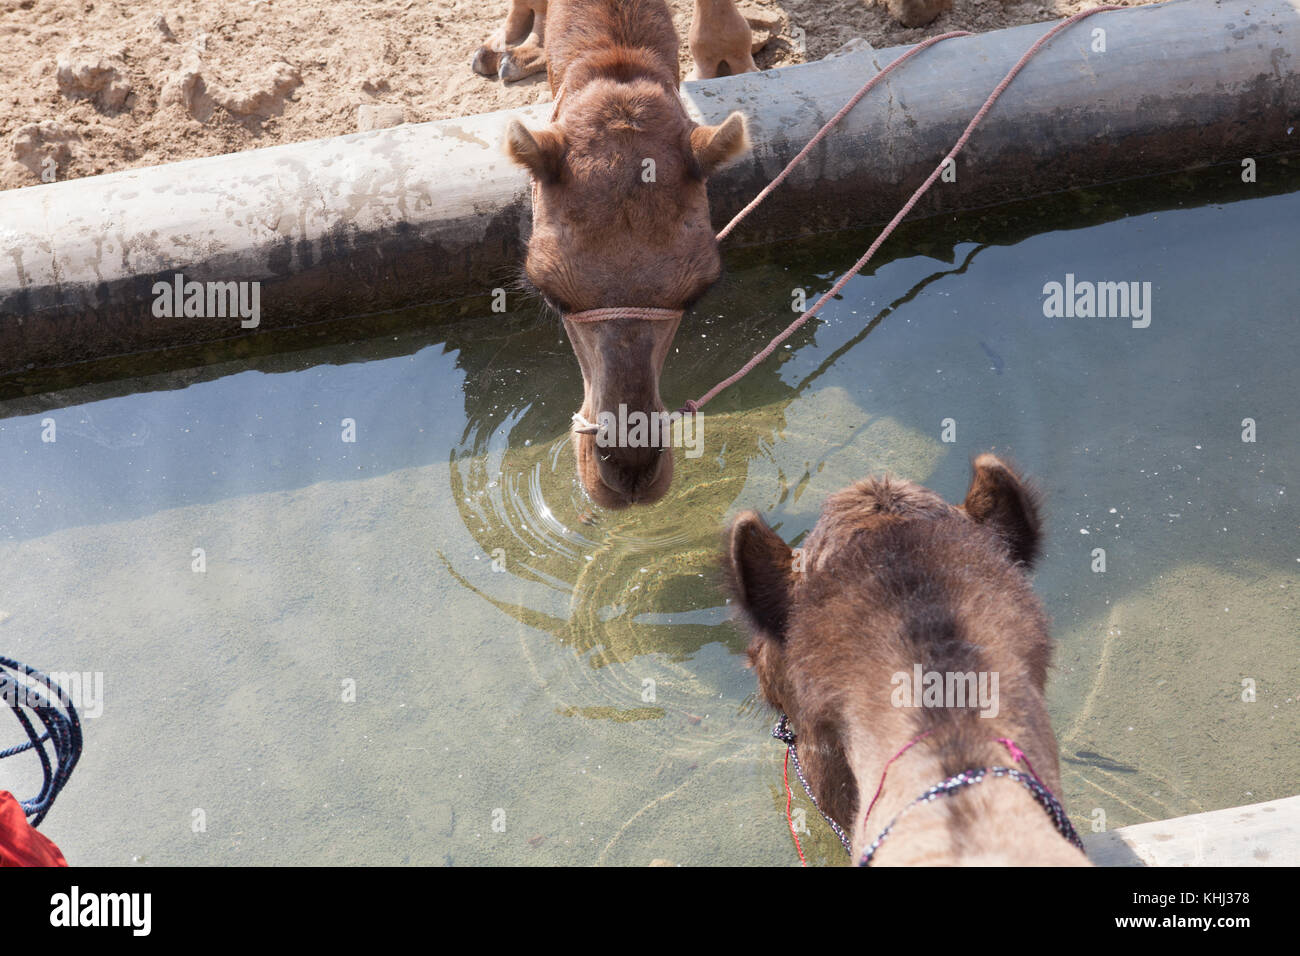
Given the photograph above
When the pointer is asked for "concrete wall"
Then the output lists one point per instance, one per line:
(1262, 834)
(357, 224)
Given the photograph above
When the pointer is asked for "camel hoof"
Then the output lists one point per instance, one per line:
(918, 13)
(511, 69)
(486, 62)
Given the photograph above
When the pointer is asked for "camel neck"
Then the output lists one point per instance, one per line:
(621, 65)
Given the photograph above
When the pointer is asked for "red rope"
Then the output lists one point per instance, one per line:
(695, 405)
(789, 814)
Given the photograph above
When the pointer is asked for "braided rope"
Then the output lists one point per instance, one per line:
(37, 693)
(624, 312)
(1041, 792)
(783, 733)
(968, 778)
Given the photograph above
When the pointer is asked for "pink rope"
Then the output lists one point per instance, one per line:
(1017, 755)
(831, 124)
(881, 786)
(696, 404)
(599, 315)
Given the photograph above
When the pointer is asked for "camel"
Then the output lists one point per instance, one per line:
(720, 41)
(894, 582)
(720, 37)
(620, 217)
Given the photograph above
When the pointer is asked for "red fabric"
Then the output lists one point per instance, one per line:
(20, 843)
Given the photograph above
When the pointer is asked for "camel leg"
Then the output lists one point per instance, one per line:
(528, 57)
(518, 28)
(720, 40)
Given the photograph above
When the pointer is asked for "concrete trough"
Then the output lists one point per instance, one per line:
(344, 228)
(1262, 834)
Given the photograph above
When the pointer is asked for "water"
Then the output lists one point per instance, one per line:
(540, 681)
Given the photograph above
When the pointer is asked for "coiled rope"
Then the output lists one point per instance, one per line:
(25, 689)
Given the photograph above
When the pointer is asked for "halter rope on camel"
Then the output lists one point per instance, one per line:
(1041, 793)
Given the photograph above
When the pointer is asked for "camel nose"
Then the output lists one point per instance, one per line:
(630, 471)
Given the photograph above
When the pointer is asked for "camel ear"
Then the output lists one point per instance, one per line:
(1005, 504)
(715, 146)
(541, 153)
(759, 568)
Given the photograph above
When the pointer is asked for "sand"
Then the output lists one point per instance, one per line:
(89, 88)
